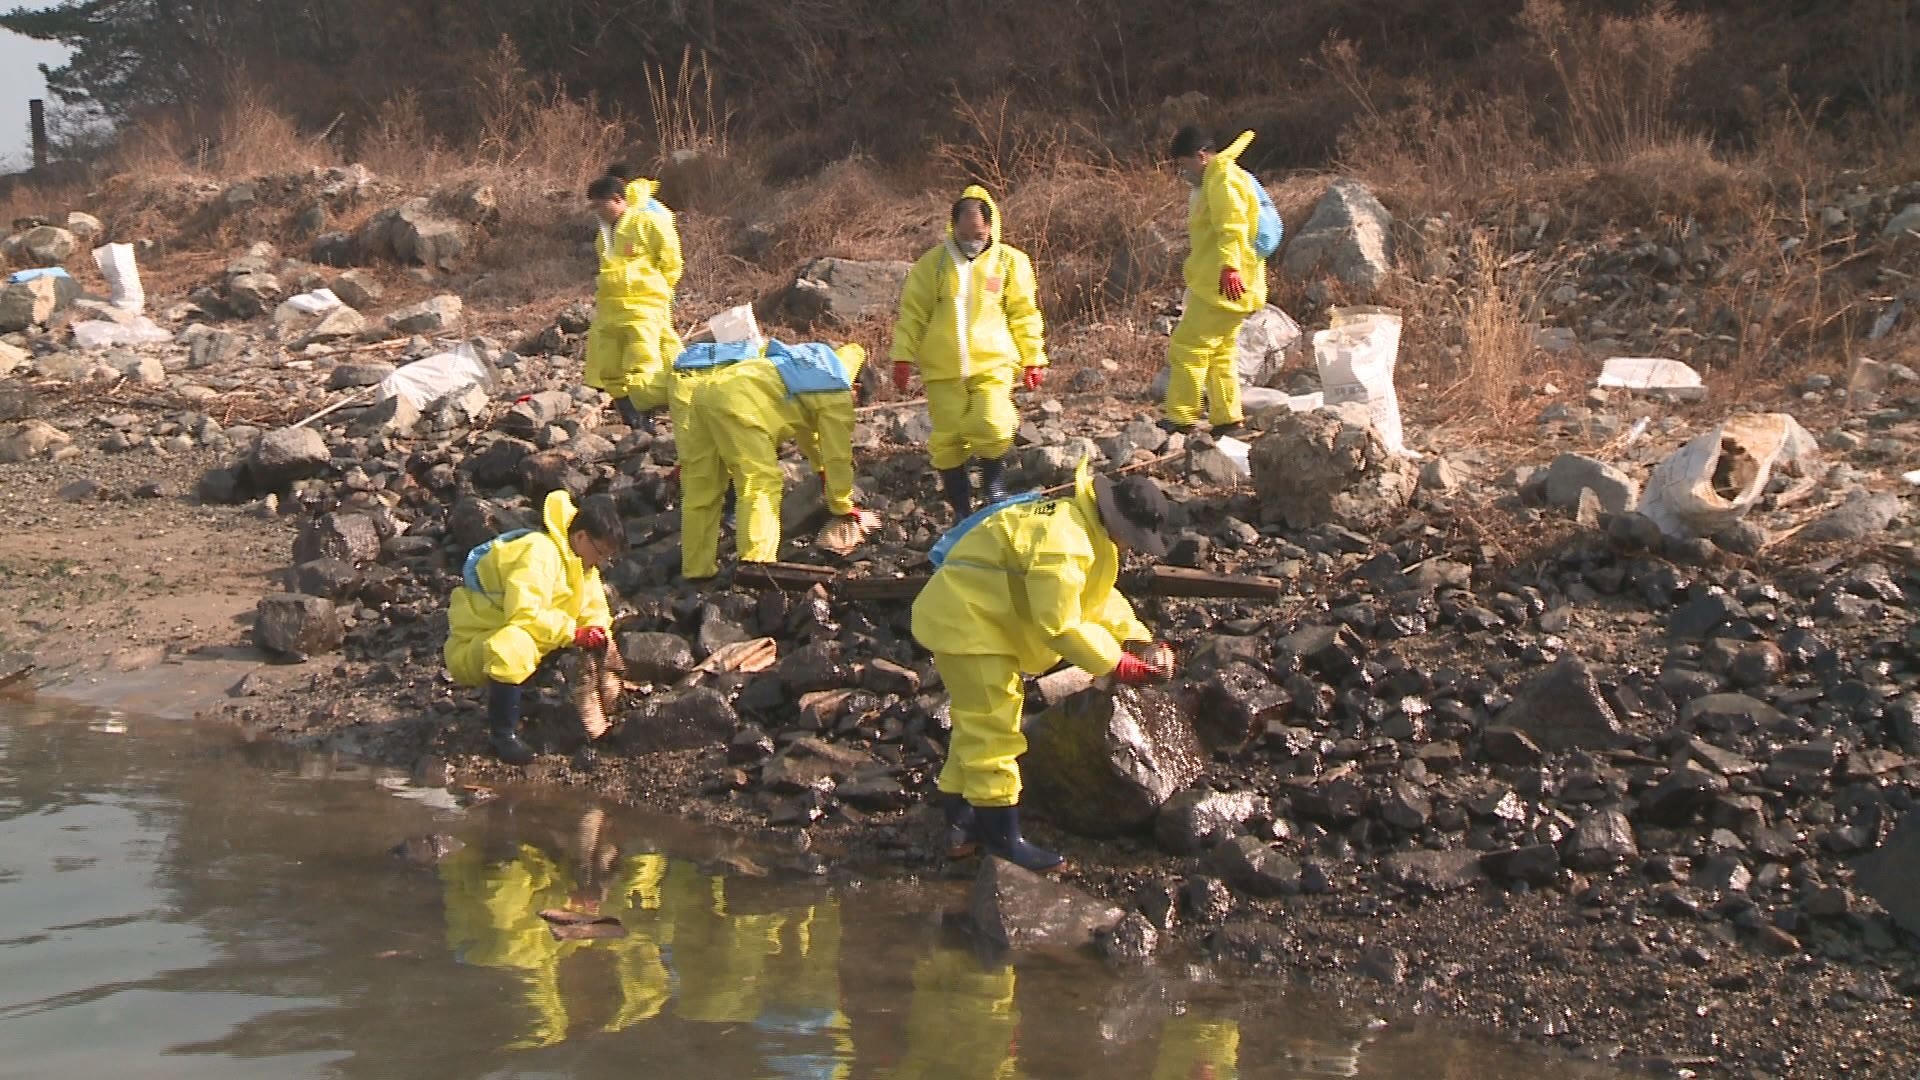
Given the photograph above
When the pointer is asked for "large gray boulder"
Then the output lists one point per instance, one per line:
(842, 291)
(440, 314)
(413, 233)
(48, 245)
(1891, 874)
(1103, 762)
(677, 720)
(1562, 708)
(297, 625)
(287, 455)
(1017, 909)
(1317, 467)
(34, 303)
(1350, 236)
(1570, 474)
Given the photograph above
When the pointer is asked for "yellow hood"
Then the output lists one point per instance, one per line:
(639, 190)
(975, 191)
(854, 357)
(557, 515)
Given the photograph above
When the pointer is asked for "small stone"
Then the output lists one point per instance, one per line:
(1014, 908)
(1434, 871)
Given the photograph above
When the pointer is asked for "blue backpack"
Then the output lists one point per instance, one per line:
(470, 573)
(809, 367)
(708, 354)
(938, 556)
(1269, 230)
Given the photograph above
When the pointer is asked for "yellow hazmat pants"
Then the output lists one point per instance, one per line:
(1202, 351)
(703, 478)
(1196, 1049)
(972, 417)
(983, 753)
(752, 457)
(628, 352)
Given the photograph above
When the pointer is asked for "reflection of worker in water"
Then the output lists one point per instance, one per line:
(778, 971)
(493, 920)
(962, 1024)
(1192, 1048)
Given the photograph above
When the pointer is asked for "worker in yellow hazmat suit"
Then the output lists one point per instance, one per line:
(631, 340)
(1194, 1048)
(962, 1022)
(742, 416)
(1226, 281)
(706, 493)
(970, 322)
(527, 594)
(1019, 587)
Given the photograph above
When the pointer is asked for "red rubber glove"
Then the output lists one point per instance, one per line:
(902, 375)
(1035, 376)
(1133, 671)
(590, 637)
(1231, 285)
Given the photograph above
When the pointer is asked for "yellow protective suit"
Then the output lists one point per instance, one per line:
(632, 340)
(535, 594)
(970, 326)
(962, 1023)
(1195, 1049)
(745, 413)
(1221, 220)
(703, 476)
(1025, 588)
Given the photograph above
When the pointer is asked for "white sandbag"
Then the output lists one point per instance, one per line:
(1652, 375)
(424, 382)
(1260, 350)
(1236, 452)
(736, 324)
(106, 334)
(317, 302)
(122, 271)
(1710, 483)
(1356, 355)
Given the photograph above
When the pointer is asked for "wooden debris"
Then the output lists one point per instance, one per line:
(787, 577)
(1180, 581)
(748, 657)
(888, 588)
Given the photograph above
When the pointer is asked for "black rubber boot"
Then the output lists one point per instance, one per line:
(1172, 428)
(957, 486)
(993, 480)
(728, 503)
(999, 830)
(503, 724)
(962, 839)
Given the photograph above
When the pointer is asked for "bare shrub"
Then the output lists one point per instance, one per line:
(1498, 338)
(1617, 74)
(685, 116)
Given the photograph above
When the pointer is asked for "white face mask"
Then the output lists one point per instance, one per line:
(971, 248)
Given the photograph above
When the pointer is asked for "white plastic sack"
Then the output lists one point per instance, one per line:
(1255, 399)
(1236, 452)
(736, 324)
(1260, 350)
(118, 266)
(424, 382)
(1711, 482)
(317, 302)
(105, 334)
(1356, 356)
(1648, 374)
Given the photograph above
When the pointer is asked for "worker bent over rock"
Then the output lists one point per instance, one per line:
(970, 322)
(527, 594)
(632, 342)
(1020, 586)
(741, 414)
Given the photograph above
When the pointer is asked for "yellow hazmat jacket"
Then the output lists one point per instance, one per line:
(1034, 582)
(535, 594)
(750, 396)
(640, 261)
(1221, 220)
(960, 318)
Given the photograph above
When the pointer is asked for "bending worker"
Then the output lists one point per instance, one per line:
(1226, 281)
(631, 341)
(742, 415)
(970, 322)
(525, 595)
(1020, 587)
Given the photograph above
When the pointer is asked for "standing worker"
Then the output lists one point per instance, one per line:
(1226, 280)
(631, 341)
(527, 594)
(969, 318)
(1018, 589)
(742, 415)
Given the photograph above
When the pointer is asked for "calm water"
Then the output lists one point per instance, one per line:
(173, 905)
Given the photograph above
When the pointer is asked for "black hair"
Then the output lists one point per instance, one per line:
(606, 187)
(986, 210)
(600, 519)
(1190, 140)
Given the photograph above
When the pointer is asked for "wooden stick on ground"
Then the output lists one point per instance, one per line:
(341, 404)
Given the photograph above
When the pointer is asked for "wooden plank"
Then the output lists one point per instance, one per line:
(888, 588)
(1181, 581)
(789, 577)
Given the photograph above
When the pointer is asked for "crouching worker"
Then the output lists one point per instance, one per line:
(802, 392)
(1021, 585)
(528, 594)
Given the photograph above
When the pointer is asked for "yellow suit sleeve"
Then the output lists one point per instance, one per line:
(1022, 306)
(593, 606)
(1121, 622)
(528, 587)
(1233, 214)
(917, 300)
(664, 244)
(1054, 582)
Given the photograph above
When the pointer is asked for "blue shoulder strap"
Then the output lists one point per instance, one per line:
(809, 367)
(470, 574)
(938, 555)
(708, 354)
